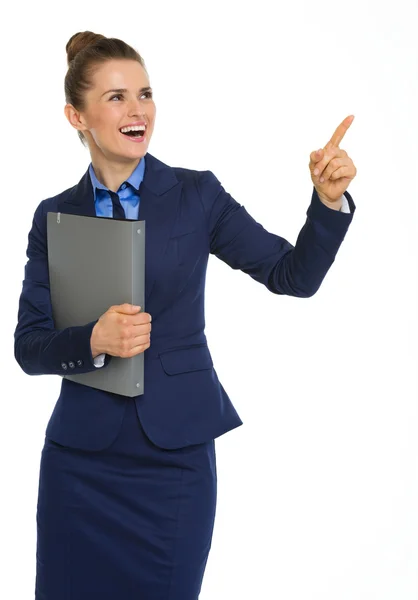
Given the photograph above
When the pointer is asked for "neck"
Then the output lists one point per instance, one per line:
(113, 173)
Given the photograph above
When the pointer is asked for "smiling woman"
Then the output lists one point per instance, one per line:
(127, 488)
(109, 102)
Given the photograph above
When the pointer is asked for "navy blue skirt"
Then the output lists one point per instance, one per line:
(131, 522)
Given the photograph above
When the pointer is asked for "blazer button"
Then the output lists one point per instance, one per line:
(79, 363)
(64, 366)
(71, 364)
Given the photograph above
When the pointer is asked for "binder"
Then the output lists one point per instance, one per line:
(94, 263)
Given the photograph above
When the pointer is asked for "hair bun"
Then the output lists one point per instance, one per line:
(79, 41)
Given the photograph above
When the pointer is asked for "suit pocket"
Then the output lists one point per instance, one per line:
(183, 243)
(182, 229)
(185, 360)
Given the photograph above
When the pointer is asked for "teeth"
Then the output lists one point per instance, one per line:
(133, 128)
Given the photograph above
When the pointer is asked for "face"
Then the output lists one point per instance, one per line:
(120, 96)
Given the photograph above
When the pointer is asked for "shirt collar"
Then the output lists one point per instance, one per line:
(135, 179)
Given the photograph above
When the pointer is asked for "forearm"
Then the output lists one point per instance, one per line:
(39, 347)
(301, 271)
(55, 352)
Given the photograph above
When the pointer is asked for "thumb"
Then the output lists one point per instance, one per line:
(127, 308)
(316, 156)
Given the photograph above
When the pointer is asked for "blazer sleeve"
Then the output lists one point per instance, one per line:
(39, 347)
(238, 240)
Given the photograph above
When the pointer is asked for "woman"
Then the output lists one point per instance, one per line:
(127, 489)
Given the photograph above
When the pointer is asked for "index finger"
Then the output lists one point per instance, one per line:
(340, 132)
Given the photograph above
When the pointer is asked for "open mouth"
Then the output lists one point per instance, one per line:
(134, 132)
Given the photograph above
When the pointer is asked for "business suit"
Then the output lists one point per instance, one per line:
(188, 216)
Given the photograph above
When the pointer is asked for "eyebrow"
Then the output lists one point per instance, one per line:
(123, 90)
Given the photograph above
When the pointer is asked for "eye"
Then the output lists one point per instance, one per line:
(148, 95)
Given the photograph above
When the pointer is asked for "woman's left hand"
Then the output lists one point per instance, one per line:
(331, 168)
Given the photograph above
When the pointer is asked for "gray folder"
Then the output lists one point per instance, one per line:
(94, 263)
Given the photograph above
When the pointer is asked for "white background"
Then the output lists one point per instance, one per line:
(318, 491)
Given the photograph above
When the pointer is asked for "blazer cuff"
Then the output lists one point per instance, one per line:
(333, 220)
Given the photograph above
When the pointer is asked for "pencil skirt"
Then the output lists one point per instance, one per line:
(131, 522)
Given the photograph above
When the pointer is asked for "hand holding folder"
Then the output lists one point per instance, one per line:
(122, 332)
(96, 263)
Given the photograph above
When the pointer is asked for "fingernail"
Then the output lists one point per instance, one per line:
(321, 180)
(316, 172)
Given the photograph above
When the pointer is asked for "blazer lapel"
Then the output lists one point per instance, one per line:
(160, 193)
(80, 200)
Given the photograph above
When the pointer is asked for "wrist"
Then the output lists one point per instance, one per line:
(94, 345)
(333, 204)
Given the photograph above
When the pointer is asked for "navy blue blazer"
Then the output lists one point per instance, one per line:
(188, 215)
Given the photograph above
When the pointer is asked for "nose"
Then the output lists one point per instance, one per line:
(136, 108)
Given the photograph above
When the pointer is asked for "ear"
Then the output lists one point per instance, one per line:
(74, 117)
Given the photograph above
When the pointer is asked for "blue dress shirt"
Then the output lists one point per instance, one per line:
(128, 193)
